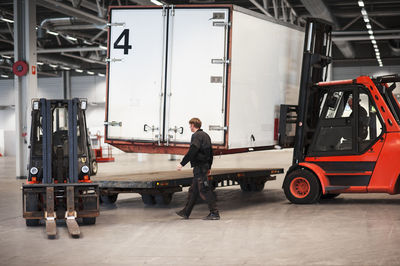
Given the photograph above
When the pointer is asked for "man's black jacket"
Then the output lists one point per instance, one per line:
(200, 151)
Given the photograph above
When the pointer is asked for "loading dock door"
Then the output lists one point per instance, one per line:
(136, 74)
(196, 72)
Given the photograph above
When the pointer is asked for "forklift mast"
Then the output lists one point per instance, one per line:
(316, 58)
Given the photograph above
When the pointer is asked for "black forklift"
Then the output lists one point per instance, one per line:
(59, 185)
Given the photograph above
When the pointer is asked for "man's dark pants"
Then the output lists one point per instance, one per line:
(200, 187)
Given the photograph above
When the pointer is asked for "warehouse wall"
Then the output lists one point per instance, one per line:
(91, 87)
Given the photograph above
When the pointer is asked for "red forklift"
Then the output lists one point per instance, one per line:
(347, 133)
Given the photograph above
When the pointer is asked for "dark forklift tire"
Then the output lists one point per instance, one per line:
(32, 222)
(302, 187)
(109, 199)
(32, 204)
(329, 196)
(94, 168)
(148, 199)
(89, 220)
(163, 199)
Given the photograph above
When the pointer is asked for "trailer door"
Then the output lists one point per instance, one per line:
(136, 74)
(196, 72)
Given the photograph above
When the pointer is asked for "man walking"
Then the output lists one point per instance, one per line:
(200, 155)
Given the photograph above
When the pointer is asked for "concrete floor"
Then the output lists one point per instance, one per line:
(256, 229)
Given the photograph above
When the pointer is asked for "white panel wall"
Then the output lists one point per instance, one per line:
(91, 87)
(266, 64)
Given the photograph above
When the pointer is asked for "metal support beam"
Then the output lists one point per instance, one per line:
(275, 4)
(66, 76)
(25, 86)
(70, 11)
(254, 2)
(62, 50)
(364, 37)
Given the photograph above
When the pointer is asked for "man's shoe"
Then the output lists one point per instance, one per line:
(182, 214)
(212, 216)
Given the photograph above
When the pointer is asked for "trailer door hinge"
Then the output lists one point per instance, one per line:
(217, 128)
(220, 61)
(221, 24)
(113, 123)
(172, 10)
(116, 24)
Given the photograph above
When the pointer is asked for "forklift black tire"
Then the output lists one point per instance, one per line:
(94, 168)
(109, 199)
(148, 199)
(302, 187)
(32, 204)
(32, 222)
(329, 196)
(89, 220)
(163, 199)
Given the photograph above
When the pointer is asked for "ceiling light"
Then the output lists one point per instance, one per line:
(52, 33)
(377, 50)
(39, 63)
(361, 3)
(373, 41)
(370, 32)
(87, 42)
(366, 19)
(90, 72)
(103, 47)
(4, 76)
(65, 68)
(71, 38)
(79, 70)
(156, 2)
(101, 75)
(53, 65)
(369, 26)
(6, 56)
(372, 37)
(364, 12)
(375, 46)
(7, 20)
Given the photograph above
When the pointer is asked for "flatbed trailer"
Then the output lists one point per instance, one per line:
(158, 187)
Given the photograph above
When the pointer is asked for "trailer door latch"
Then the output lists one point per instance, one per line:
(217, 128)
(113, 123)
(221, 24)
(220, 61)
(114, 60)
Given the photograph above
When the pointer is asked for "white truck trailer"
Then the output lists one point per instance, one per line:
(226, 65)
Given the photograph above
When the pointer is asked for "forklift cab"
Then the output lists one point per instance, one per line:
(58, 137)
(349, 122)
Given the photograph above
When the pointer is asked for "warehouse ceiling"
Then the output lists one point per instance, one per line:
(72, 34)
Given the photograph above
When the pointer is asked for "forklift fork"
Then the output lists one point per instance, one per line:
(70, 214)
(49, 215)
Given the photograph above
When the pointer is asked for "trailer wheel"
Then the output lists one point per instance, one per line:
(302, 187)
(32, 204)
(94, 167)
(257, 187)
(245, 187)
(329, 196)
(163, 199)
(109, 199)
(89, 220)
(148, 199)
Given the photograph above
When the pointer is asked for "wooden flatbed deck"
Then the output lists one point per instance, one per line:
(173, 178)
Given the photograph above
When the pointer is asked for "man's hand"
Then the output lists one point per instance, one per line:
(179, 167)
(209, 172)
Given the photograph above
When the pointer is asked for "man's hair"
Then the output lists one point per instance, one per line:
(196, 122)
